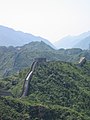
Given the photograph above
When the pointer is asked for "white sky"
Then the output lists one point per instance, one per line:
(51, 19)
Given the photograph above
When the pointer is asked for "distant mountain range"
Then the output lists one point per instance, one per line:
(81, 41)
(84, 43)
(10, 37)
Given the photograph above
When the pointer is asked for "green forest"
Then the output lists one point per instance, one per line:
(15, 59)
(58, 91)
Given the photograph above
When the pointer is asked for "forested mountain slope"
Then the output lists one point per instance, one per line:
(14, 59)
(58, 91)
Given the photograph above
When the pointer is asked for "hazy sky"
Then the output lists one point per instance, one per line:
(51, 19)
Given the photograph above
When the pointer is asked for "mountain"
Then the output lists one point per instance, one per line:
(14, 59)
(10, 37)
(57, 91)
(71, 41)
(66, 42)
(83, 44)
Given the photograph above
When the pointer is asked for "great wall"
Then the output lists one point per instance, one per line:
(26, 85)
(28, 78)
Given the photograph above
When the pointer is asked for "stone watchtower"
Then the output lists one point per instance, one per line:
(40, 60)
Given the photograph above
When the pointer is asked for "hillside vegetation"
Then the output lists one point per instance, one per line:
(58, 91)
(14, 59)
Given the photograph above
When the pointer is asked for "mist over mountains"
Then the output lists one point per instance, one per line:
(10, 37)
(81, 41)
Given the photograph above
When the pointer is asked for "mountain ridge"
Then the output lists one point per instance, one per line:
(84, 43)
(11, 37)
(14, 59)
(72, 41)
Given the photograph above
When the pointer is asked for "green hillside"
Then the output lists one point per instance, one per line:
(58, 91)
(14, 59)
(63, 84)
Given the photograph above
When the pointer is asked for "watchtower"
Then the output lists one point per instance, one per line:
(40, 60)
